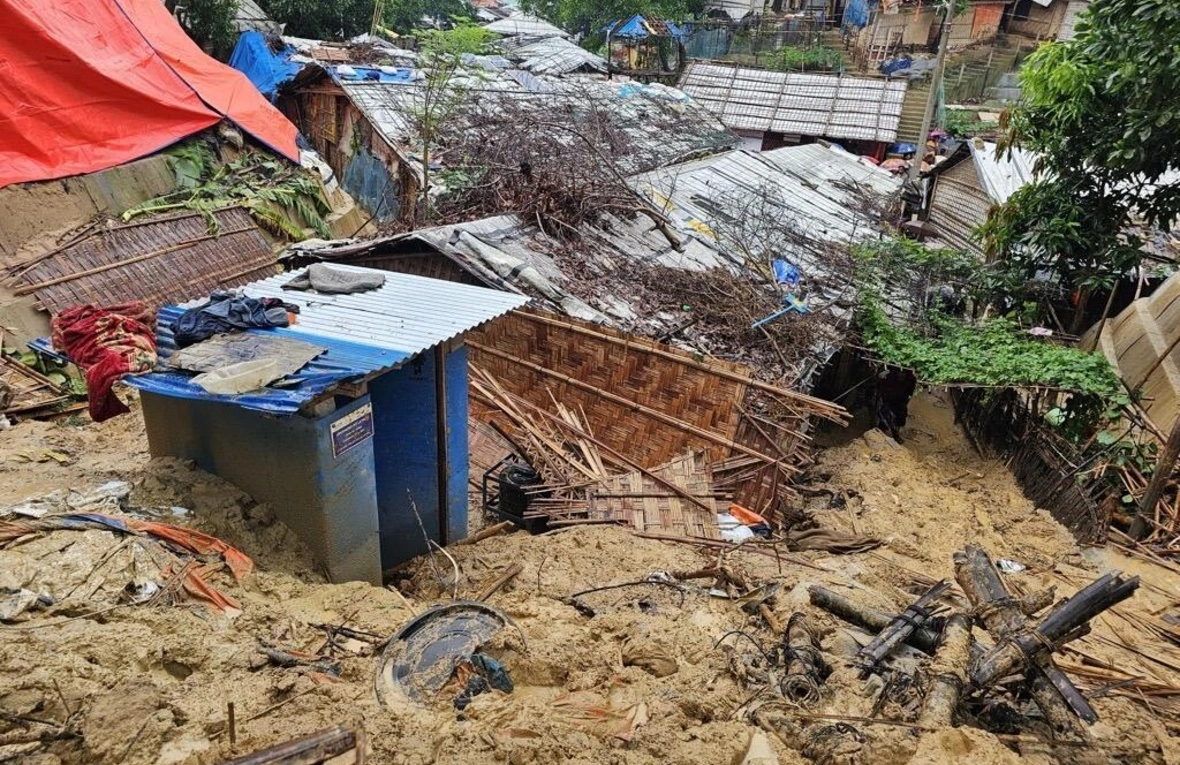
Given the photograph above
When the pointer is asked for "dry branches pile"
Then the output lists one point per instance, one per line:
(720, 308)
(559, 158)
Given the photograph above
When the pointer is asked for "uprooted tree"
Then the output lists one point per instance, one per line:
(1101, 113)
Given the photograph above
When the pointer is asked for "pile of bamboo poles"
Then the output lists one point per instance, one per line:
(1033, 643)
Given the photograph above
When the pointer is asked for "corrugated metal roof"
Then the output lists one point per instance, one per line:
(661, 123)
(249, 15)
(821, 192)
(525, 26)
(822, 105)
(812, 189)
(1001, 178)
(556, 55)
(366, 333)
(157, 261)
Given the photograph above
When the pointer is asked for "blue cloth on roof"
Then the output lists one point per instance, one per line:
(632, 27)
(371, 73)
(266, 69)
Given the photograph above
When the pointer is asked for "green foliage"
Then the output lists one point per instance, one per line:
(909, 271)
(444, 48)
(590, 17)
(342, 19)
(211, 24)
(790, 58)
(273, 190)
(405, 16)
(991, 352)
(322, 19)
(1066, 226)
(962, 123)
(442, 53)
(1103, 113)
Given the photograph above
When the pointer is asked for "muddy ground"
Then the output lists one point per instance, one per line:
(641, 681)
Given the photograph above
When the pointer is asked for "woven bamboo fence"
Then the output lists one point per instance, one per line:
(1003, 423)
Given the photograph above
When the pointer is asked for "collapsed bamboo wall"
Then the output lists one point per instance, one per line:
(654, 402)
(1045, 467)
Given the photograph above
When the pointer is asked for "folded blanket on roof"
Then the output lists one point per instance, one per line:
(225, 311)
(107, 343)
(335, 281)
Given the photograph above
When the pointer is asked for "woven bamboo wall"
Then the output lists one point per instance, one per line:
(158, 261)
(697, 397)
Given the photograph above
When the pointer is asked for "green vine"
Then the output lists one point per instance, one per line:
(990, 353)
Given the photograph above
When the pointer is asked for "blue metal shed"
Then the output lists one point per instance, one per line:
(365, 442)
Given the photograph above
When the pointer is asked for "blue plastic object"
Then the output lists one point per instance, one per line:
(266, 69)
(785, 272)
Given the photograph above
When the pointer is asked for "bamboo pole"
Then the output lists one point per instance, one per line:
(948, 673)
(1052, 691)
(1163, 471)
(1064, 623)
(870, 619)
(900, 627)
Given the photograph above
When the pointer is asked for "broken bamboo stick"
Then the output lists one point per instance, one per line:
(1064, 623)
(915, 615)
(1052, 691)
(483, 534)
(619, 456)
(501, 580)
(870, 619)
(806, 669)
(948, 673)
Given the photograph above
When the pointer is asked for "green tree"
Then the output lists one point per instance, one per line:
(404, 16)
(209, 22)
(1103, 113)
(589, 17)
(342, 19)
(441, 58)
(322, 19)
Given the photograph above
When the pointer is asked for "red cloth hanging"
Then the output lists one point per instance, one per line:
(107, 343)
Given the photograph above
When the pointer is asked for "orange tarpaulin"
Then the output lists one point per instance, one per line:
(92, 84)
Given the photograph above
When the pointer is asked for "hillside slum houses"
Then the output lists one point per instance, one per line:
(580, 305)
(678, 207)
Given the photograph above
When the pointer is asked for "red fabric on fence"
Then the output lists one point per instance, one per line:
(92, 84)
(107, 343)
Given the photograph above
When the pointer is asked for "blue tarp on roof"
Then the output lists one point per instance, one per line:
(637, 27)
(266, 69)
